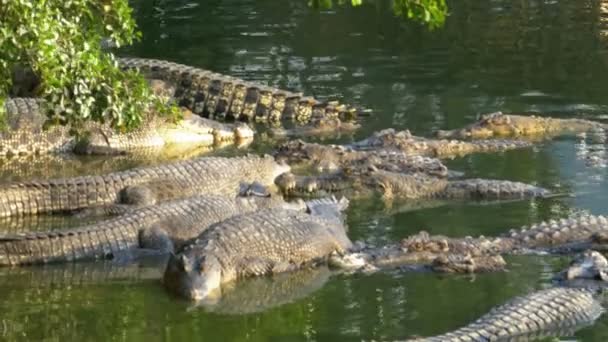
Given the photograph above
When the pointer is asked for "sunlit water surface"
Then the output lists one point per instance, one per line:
(545, 57)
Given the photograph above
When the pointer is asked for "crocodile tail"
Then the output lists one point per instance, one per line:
(66, 245)
(56, 195)
(492, 189)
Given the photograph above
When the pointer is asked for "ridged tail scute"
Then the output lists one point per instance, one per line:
(215, 95)
(552, 312)
(57, 195)
(62, 246)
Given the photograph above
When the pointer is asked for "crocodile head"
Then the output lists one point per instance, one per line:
(320, 157)
(465, 263)
(192, 277)
(588, 265)
(489, 125)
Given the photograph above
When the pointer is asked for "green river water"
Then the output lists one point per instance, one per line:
(548, 57)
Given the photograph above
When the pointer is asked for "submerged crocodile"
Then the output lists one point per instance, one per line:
(141, 186)
(27, 134)
(386, 145)
(481, 254)
(269, 241)
(497, 125)
(335, 157)
(159, 228)
(557, 311)
(218, 96)
(439, 148)
(399, 185)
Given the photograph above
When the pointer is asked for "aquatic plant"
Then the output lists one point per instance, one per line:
(61, 42)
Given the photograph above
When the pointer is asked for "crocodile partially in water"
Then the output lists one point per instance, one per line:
(482, 254)
(27, 133)
(499, 125)
(574, 234)
(219, 96)
(160, 228)
(552, 312)
(406, 142)
(387, 145)
(365, 181)
(269, 241)
(139, 186)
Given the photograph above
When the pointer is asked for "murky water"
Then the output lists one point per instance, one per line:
(546, 57)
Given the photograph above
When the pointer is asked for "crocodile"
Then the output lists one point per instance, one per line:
(385, 144)
(499, 125)
(480, 254)
(161, 228)
(268, 241)
(49, 166)
(556, 311)
(322, 157)
(399, 185)
(574, 234)
(218, 96)
(440, 148)
(372, 259)
(28, 134)
(205, 175)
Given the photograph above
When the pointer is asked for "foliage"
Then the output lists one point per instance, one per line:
(429, 12)
(61, 42)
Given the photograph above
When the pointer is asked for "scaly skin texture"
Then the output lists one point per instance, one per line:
(335, 157)
(49, 166)
(268, 241)
(159, 227)
(574, 234)
(555, 311)
(370, 259)
(26, 134)
(396, 185)
(206, 175)
(419, 146)
(218, 96)
(499, 125)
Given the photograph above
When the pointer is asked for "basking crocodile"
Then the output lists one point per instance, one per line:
(205, 175)
(218, 96)
(399, 185)
(268, 241)
(158, 227)
(557, 311)
(496, 125)
(27, 134)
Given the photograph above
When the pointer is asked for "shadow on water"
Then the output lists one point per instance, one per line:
(514, 56)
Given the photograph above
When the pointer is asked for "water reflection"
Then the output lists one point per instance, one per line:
(264, 293)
